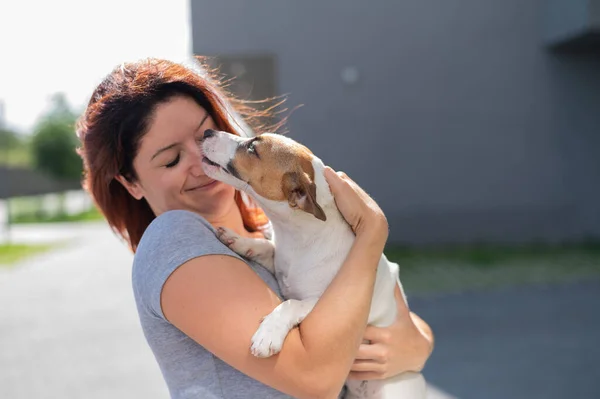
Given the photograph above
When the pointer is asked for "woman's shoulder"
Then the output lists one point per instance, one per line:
(176, 234)
(172, 227)
(172, 239)
(175, 220)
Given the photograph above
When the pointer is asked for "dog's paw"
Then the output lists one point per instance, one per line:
(227, 236)
(268, 339)
(238, 244)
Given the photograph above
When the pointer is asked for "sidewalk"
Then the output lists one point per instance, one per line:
(528, 342)
(68, 324)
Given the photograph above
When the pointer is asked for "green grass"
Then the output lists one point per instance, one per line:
(490, 255)
(481, 267)
(16, 157)
(31, 210)
(12, 253)
(89, 215)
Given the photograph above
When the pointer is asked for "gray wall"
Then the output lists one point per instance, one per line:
(566, 19)
(462, 125)
(595, 14)
(20, 182)
(573, 25)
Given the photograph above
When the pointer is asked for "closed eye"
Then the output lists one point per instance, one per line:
(173, 162)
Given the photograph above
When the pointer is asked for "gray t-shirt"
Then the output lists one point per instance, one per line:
(189, 370)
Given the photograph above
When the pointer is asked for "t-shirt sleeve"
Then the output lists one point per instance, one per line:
(172, 239)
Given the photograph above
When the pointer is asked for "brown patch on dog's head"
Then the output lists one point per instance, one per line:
(279, 169)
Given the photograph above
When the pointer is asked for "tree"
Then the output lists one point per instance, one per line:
(13, 148)
(54, 142)
(8, 139)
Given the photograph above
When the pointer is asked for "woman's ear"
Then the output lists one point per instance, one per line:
(133, 188)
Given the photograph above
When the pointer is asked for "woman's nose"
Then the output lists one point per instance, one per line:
(196, 165)
(196, 169)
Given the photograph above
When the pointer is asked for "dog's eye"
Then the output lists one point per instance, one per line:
(251, 147)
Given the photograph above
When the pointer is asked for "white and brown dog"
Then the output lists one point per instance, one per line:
(310, 242)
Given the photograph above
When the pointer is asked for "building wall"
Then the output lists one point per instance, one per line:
(461, 124)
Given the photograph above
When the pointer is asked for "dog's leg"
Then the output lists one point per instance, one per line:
(269, 337)
(259, 250)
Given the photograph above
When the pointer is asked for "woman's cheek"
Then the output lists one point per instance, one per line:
(171, 179)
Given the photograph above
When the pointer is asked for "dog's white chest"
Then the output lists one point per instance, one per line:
(306, 264)
(301, 277)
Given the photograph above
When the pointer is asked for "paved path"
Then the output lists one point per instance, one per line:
(68, 325)
(523, 342)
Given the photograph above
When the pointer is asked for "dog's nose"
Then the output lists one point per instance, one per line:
(209, 133)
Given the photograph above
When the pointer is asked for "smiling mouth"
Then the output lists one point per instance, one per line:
(212, 182)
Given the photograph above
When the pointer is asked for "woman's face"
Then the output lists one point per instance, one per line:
(169, 163)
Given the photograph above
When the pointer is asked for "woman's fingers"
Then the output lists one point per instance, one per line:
(339, 182)
(346, 197)
(372, 352)
(368, 366)
(356, 206)
(377, 335)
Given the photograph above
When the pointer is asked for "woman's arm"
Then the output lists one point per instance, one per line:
(404, 346)
(218, 301)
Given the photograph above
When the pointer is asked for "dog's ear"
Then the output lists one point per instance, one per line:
(301, 193)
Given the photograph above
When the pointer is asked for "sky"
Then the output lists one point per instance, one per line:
(70, 45)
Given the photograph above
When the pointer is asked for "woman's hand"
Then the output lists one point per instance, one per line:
(406, 344)
(403, 346)
(356, 206)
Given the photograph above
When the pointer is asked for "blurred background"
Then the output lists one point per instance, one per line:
(473, 123)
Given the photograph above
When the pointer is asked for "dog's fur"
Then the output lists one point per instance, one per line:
(311, 240)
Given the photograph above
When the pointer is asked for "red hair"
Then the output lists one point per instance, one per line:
(117, 117)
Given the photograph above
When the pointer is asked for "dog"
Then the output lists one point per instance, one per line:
(310, 241)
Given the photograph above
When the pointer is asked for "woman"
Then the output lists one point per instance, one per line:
(199, 303)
